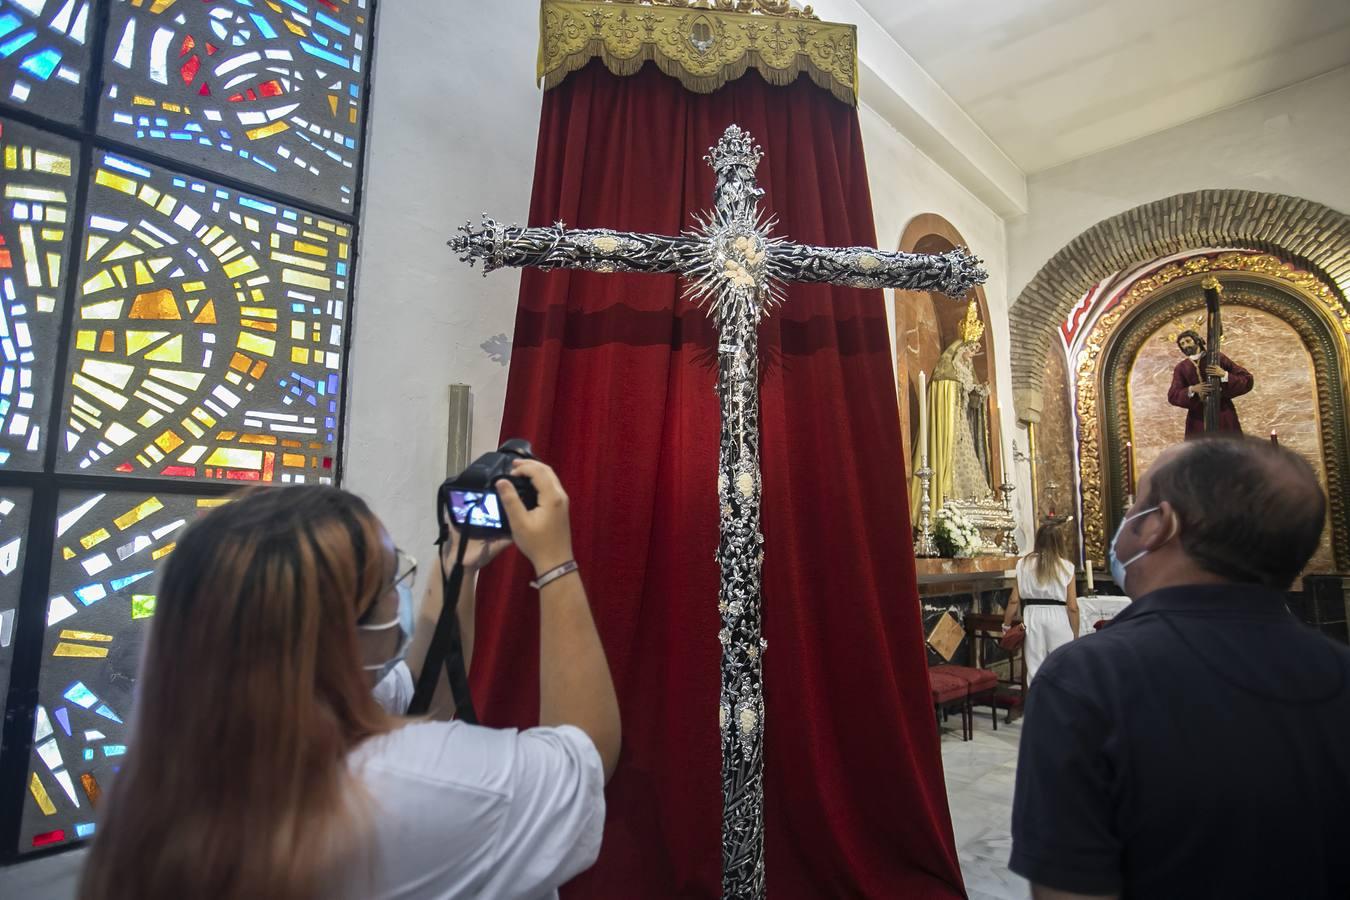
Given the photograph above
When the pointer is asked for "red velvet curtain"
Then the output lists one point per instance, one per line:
(612, 378)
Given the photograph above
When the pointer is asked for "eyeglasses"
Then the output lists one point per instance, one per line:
(405, 567)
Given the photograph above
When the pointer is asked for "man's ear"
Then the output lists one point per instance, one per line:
(1165, 526)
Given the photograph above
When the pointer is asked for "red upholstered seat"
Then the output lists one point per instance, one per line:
(946, 688)
(981, 683)
(977, 680)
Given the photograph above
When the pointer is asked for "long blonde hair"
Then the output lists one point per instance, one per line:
(251, 696)
(1054, 542)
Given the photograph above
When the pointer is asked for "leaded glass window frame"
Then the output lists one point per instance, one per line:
(149, 479)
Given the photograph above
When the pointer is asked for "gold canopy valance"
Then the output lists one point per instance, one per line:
(704, 45)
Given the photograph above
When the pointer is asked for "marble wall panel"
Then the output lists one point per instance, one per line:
(918, 339)
(1283, 398)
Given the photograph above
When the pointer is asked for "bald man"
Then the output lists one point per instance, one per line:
(1199, 746)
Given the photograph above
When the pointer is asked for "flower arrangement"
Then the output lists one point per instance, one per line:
(955, 534)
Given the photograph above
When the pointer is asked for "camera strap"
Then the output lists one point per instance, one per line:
(447, 647)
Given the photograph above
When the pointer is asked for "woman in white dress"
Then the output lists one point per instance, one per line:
(1047, 595)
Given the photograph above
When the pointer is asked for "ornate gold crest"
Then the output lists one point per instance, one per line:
(972, 327)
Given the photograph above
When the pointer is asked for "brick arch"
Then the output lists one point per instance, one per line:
(1307, 234)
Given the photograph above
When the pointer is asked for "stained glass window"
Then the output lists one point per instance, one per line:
(208, 333)
(37, 188)
(44, 54)
(14, 506)
(268, 92)
(176, 241)
(102, 598)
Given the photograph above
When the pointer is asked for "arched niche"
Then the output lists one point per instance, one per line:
(1310, 236)
(925, 323)
(1107, 374)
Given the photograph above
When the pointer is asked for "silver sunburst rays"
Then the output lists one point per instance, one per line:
(735, 275)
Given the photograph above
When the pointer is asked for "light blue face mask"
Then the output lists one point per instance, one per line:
(403, 620)
(1117, 566)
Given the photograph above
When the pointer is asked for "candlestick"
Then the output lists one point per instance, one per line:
(1009, 545)
(924, 544)
(923, 419)
(1129, 466)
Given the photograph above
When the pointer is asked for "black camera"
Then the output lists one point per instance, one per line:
(469, 500)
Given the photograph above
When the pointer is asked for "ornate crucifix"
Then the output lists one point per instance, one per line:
(736, 270)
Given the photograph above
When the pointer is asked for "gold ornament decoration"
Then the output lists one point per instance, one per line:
(1174, 331)
(972, 327)
(704, 44)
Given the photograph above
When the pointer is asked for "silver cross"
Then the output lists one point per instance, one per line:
(735, 269)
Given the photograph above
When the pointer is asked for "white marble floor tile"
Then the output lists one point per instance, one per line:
(980, 774)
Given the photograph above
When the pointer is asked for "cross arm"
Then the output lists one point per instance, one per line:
(559, 247)
(952, 273)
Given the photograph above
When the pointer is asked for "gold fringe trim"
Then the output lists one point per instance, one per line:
(703, 48)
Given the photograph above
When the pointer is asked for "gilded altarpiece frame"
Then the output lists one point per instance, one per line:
(1314, 310)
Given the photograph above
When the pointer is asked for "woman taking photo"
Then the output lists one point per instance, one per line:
(1046, 593)
(263, 766)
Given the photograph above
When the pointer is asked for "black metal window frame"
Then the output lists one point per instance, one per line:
(16, 739)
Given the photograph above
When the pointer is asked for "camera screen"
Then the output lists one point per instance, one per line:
(476, 509)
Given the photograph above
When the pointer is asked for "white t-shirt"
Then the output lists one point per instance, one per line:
(466, 811)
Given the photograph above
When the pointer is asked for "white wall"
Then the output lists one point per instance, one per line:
(1295, 141)
(451, 136)
(905, 183)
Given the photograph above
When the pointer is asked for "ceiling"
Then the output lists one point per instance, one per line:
(1054, 80)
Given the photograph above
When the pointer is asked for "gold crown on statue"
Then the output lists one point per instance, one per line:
(972, 329)
(1177, 326)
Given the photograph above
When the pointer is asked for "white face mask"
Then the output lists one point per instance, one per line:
(1118, 567)
(402, 621)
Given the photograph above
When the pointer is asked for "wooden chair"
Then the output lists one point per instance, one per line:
(984, 631)
(951, 692)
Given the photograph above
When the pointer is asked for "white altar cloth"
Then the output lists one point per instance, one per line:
(1092, 610)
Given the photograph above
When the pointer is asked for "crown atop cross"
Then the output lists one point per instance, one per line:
(736, 148)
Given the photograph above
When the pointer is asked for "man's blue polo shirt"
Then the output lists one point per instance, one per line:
(1197, 747)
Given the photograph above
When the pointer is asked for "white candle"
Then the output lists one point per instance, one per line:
(923, 419)
(1087, 569)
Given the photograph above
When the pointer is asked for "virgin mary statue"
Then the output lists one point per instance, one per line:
(956, 409)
